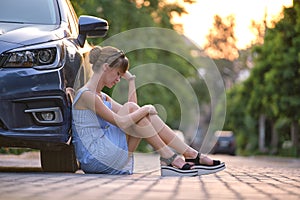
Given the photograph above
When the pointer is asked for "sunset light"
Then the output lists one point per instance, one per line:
(197, 23)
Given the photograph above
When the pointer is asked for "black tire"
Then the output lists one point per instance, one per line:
(63, 160)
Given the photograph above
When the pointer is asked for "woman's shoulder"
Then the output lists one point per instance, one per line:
(80, 95)
(82, 90)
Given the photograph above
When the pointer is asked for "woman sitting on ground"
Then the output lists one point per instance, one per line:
(107, 133)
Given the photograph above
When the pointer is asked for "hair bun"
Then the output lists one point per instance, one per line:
(94, 54)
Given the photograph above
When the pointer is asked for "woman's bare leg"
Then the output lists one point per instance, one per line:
(156, 142)
(159, 135)
(145, 130)
(172, 140)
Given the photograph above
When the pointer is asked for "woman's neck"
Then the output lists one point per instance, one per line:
(95, 83)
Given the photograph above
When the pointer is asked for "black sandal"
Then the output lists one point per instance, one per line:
(169, 170)
(196, 161)
(206, 169)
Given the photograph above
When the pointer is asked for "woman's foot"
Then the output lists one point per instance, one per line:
(205, 165)
(176, 166)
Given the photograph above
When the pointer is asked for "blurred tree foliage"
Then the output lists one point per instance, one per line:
(221, 47)
(272, 91)
(129, 14)
(221, 39)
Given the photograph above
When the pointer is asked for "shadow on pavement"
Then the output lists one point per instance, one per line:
(20, 169)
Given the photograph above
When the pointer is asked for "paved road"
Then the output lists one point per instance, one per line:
(244, 178)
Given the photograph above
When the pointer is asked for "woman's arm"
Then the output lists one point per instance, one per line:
(132, 97)
(131, 87)
(93, 102)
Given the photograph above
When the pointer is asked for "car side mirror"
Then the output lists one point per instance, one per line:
(91, 27)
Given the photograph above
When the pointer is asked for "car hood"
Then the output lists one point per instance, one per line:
(19, 35)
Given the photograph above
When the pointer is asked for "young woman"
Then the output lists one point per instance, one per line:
(107, 133)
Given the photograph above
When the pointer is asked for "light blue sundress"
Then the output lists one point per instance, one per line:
(100, 147)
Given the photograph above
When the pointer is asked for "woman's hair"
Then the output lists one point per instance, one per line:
(110, 55)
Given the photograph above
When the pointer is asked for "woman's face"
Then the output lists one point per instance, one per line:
(113, 76)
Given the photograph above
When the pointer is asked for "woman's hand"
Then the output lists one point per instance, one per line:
(128, 76)
(151, 109)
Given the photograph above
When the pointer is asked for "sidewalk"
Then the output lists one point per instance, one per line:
(244, 178)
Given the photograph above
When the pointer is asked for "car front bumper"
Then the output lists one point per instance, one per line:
(34, 107)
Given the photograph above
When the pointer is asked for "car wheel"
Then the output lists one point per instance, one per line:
(59, 161)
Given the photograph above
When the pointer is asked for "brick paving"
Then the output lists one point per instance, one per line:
(244, 178)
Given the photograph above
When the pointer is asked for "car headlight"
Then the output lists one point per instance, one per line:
(31, 58)
(42, 56)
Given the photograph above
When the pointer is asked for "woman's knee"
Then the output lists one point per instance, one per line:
(131, 106)
(128, 107)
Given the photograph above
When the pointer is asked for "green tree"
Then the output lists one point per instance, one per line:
(238, 119)
(273, 88)
(221, 40)
(280, 52)
(221, 47)
(128, 14)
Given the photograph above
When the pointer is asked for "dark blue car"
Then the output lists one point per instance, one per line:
(225, 143)
(42, 48)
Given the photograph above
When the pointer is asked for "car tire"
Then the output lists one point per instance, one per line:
(59, 161)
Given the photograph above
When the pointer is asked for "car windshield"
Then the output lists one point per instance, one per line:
(29, 11)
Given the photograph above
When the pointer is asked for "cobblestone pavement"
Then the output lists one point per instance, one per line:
(244, 178)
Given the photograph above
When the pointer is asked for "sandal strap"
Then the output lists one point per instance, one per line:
(194, 160)
(168, 161)
(186, 166)
(216, 162)
(197, 161)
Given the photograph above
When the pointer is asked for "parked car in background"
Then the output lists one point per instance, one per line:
(225, 144)
(42, 47)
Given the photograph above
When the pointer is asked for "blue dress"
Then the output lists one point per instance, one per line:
(100, 147)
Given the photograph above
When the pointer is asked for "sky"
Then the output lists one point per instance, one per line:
(201, 16)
